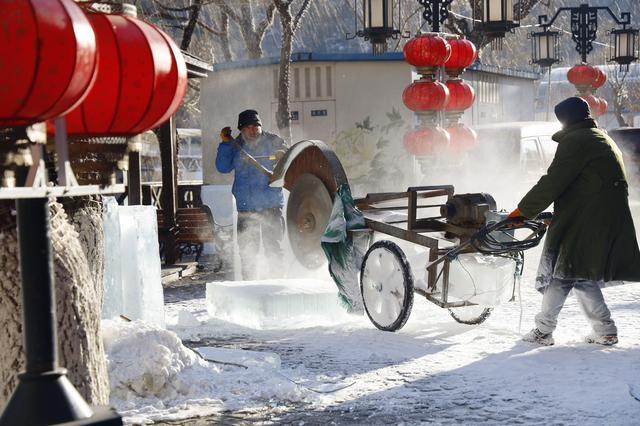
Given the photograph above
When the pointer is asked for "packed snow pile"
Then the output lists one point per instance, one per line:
(276, 303)
(153, 375)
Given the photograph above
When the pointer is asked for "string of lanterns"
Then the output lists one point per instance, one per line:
(434, 102)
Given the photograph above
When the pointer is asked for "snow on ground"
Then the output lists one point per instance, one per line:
(434, 369)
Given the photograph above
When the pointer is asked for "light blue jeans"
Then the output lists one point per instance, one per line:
(590, 299)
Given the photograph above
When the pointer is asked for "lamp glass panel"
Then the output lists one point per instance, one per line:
(389, 20)
(494, 14)
(509, 11)
(622, 44)
(366, 12)
(377, 13)
(543, 47)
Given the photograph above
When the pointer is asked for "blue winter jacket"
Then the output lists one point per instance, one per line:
(250, 186)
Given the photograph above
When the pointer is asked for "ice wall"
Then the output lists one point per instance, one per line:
(133, 282)
(113, 300)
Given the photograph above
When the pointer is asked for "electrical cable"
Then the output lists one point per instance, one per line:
(486, 241)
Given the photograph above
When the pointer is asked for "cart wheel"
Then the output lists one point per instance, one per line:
(386, 283)
(471, 315)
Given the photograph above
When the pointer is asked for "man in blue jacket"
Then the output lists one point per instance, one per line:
(259, 206)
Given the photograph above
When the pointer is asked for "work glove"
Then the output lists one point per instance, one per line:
(225, 134)
(516, 217)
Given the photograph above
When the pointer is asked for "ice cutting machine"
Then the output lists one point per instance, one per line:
(455, 226)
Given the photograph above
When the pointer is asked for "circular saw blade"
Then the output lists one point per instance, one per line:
(308, 212)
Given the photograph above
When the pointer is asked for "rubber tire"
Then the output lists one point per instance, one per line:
(473, 321)
(407, 281)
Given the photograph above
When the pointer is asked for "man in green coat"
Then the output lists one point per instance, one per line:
(591, 241)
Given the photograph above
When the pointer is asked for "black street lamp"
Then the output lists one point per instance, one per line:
(545, 47)
(623, 47)
(496, 18)
(378, 22)
(584, 25)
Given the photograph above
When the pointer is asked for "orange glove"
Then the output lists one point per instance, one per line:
(515, 214)
(225, 134)
(516, 218)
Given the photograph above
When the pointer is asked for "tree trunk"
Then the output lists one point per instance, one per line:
(78, 248)
(194, 14)
(78, 263)
(224, 37)
(11, 353)
(283, 116)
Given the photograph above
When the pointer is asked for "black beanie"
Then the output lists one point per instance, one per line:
(572, 110)
(248, 116)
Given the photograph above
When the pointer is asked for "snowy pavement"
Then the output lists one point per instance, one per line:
(434, 370)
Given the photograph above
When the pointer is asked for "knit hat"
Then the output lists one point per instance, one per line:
(572, 110)
(247, 117)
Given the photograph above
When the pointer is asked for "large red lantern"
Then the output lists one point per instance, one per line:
(427, 52)
(463, 54)
(463, 139)
(594, 104)
(425, 95)
(461, 95)
(604, 106)
(426, 140)
(600, 79)
(582, 76)
(47, 59)
(141, 79)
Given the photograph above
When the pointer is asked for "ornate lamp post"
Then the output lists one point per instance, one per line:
(584, 26)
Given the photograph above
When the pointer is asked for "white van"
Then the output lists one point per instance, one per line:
(525, 143)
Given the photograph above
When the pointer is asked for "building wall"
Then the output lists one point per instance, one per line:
(329, 97)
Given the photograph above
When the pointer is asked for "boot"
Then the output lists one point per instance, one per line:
(606, 340)
(538, 337)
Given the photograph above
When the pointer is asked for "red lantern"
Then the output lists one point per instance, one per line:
(425, 95)
(600, 80)
(463, 139)
(463, 54)
(461, 95)
(48, 52)
(582, 76)
(604, 106)
(427, 52)
(426, 140)
(594, 104)
(142, 78)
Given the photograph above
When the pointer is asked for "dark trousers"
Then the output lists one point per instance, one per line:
(253, 227)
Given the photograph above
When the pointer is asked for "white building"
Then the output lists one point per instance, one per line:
(330, 93)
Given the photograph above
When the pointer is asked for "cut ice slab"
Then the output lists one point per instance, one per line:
(240, 357)
(277, 303)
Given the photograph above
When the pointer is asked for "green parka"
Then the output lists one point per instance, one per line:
(592, 236)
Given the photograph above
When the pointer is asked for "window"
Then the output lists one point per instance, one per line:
(318, 82)
(307, 82)
(296, 83)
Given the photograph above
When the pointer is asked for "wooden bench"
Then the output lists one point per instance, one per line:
(195, 226)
